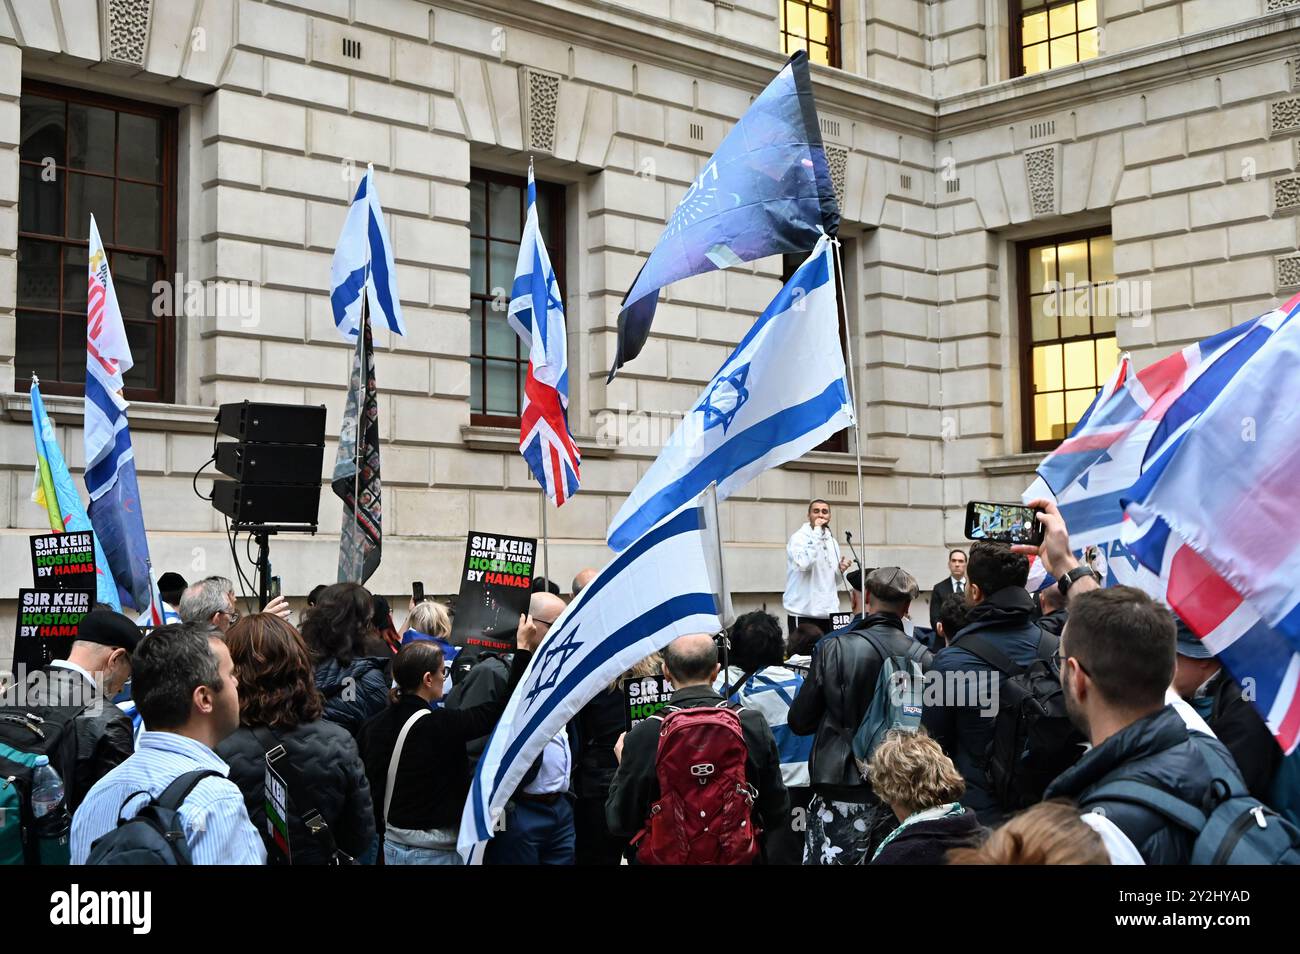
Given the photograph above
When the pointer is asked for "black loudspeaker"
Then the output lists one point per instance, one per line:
(276, 464)
(277, 504)
(271, 463)
(273, 423)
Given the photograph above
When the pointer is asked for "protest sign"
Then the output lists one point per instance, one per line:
(495, 585)
(645, 696)
(47, 624)
(63, 561)
(840, 620)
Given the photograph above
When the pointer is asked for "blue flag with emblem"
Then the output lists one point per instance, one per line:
(780, 394)
(667, 584)
(767, 190)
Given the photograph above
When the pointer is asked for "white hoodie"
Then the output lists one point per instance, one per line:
(812, 578)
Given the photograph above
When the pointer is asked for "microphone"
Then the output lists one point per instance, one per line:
(848, 537)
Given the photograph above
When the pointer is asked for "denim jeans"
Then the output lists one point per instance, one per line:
(406, 855)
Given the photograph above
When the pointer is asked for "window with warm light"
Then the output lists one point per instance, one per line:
(1067, 331)
(1050, 35)
(812, 26)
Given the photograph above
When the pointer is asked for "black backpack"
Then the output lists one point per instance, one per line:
(153, 836)
(1033, 739)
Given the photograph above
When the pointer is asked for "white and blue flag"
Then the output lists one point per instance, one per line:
(780, 394)
(667, 584)
(363, 259)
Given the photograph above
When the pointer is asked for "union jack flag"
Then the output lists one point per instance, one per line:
(1111, 459)
(537, 315)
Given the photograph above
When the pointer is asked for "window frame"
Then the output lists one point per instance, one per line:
(164, 356)
(835, 54)
(1016, 9)
(1025, 345)
(555, 248)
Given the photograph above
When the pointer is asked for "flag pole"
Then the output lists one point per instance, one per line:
(857, 429)
(546, 540)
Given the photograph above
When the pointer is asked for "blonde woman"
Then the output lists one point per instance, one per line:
(910, 773)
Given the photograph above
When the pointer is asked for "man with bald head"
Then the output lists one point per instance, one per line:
(690, 663)
(583, 578)
(538, 828)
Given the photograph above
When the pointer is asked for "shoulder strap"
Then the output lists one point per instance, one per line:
(916, 650)
(1047, 645)
(397, 757)
(175, 794)
(1173, 808)
(277, 756)
(730, 690)
(990, 654)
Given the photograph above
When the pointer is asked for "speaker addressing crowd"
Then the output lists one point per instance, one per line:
(1066, 726)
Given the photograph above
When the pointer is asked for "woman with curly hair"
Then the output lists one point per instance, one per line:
(351, 659)
(279, 706)
(911, 774)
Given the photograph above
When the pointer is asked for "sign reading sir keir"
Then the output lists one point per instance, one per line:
(63, 561)
(494, 590)
(47, 625)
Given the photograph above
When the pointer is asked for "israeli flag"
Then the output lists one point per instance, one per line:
(668, 584)
(780, 394)
(363, 259)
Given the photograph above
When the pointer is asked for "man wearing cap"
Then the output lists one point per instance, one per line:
(1201, 680)
(99, 736)
(830, 706)
(171, 587)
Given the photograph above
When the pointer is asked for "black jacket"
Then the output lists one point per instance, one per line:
(1240, 728)
(334, 783)
(1005, 619)
(943, 590)
(433, 776)
(593, 732)
(928, 842)
(99, 739)
(485, 681)
(834, 698)
(355, 692)
(1157, 750)
(1054, 621)
(636, 785)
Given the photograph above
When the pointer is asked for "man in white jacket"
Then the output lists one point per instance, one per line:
(813, 572)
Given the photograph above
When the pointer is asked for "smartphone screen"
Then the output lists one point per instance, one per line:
(417, 591)
(274, 590)
(1002, 523)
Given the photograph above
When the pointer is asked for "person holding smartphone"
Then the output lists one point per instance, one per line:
(814, 568)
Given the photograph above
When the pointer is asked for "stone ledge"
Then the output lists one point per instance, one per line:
(838, 462)
(478, 437)
(145, 416)
(1012, 464)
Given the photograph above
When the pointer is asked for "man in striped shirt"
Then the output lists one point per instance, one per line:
(185, 688)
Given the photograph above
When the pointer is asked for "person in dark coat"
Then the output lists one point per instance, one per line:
(910, 773)
(954, 587)
(691, 665)
(420, 817)
(830, 705)
(279, 706)
(1052, 611)
(98, 666)
(1001, 614)
(1202, 681)
(1117, 661)
(351, 660)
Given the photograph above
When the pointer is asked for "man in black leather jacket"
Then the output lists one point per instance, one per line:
(1117, 660)
(831, 704)
(99, 737)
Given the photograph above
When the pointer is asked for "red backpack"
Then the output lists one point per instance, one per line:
(705, 811)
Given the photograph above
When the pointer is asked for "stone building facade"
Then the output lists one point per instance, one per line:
(1171, 156)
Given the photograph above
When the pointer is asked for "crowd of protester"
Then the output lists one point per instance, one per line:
(819, 755)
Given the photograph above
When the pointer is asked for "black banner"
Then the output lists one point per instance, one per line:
(47, 625)
(495, 585)
(63, 561)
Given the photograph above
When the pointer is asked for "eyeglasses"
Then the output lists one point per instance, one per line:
(1059, 658)
(543, 622)
(232, 614)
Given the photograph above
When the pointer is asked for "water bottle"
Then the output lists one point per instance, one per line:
(50, 813)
